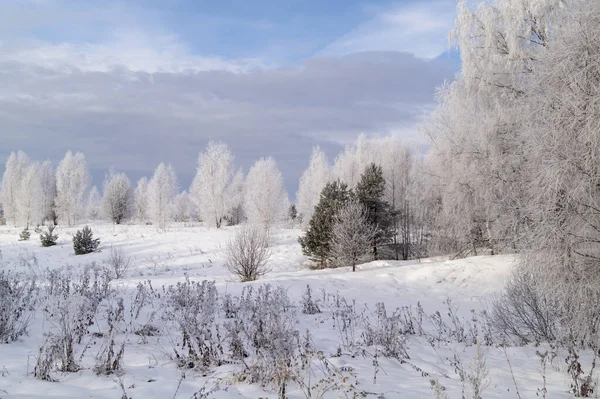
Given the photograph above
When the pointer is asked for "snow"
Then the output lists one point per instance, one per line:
(166, 257)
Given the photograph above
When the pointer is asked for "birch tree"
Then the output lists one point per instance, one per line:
(11, 185)
(312, 182)
(209, 186)
(161, 192)
(182, 207)
(72, 181)
(117, 200)
(562, 139)
(352, 235)
(29, 206)
(265, 199)
(48, 182)
(234, 196)
(142, 202)
(93, 204)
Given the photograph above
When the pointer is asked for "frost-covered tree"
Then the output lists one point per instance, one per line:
(350, 163)
(93, 205)
(72, 181)
(402, 169)
(117, 199)
(311, 184)
(142, 203)
(265, 199)
(316, 243)
(234, 199)
(479, 160)
(161, 192)
(11, 185)
(210, 184)
(347, 167)
(29, 206)
(370, 192)
(48, 182)
(563, 142)
(352, 235)
(182, 207)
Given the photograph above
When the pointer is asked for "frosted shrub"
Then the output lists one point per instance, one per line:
(269, 320)
(309, 304)
(110, 358)
(388, 333)
(17, 300)
(247, 253)
(523, 312)
(317, 376)
(70, 308)
(118, 262)
(192, 306)
(143, 310)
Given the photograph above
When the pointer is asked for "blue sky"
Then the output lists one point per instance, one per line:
(132, 83)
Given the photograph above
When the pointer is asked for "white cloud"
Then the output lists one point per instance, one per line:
(419, 28)
(132, 120)
(135, 51)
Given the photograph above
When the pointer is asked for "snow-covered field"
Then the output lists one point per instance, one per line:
(166, 257)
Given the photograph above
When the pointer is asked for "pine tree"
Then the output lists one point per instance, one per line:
(293, 213)
(47, 237)
(84, 241)
(317, 242)
(370, 192)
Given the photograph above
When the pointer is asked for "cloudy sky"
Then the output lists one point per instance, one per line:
(132, 83)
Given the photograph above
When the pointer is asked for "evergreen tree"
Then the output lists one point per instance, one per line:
(370, 192)
(317, 241)
(293, 213)
(47, 237)
(84, 241)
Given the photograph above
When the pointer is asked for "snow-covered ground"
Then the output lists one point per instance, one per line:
(166, 257)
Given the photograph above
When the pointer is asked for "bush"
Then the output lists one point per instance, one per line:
(522, 311)
(47, 237)
(84, 241)
(70, 308)
(192, 306)
(118, 262)
(110, 359)
(17, 299)
(25, 235)
(309, 305)
(248, 252)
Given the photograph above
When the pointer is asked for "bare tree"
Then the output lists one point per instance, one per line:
(247, 253)
(352, 235)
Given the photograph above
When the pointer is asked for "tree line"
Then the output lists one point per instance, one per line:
(33, 193)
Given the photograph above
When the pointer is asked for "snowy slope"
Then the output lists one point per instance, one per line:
(166, 257)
